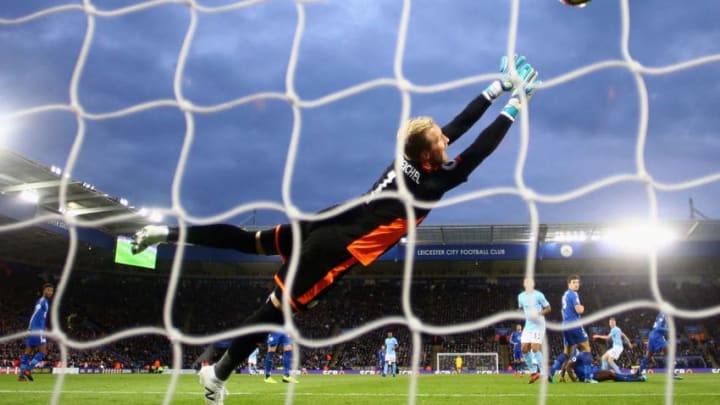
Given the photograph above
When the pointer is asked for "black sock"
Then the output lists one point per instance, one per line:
(221, 236)
(242, 346)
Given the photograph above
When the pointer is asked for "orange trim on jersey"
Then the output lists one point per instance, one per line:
(373, 244)
(325, 281)
(280, 285)
(277, 244)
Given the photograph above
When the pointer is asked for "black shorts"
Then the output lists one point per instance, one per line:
(323, 259)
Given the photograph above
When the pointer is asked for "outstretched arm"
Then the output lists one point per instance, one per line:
(473, 111)
(466, 119)
(490, 137)
(603, 337)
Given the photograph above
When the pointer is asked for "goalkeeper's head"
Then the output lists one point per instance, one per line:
(424, 142)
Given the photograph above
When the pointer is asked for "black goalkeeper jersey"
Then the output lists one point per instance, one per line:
(369, 230)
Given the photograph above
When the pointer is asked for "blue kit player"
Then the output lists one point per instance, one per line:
(36, 345)
(381, 360)
(518, 359)
(573, 337)
(656, 343)
(275, 340)
(579, 371)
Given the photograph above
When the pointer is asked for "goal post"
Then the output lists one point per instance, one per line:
(472, 362)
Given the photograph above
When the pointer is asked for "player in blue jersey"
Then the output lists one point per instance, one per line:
(381, 360)
(579, 371)
(617, 336)
(573, 336)
(656, 343)
(275, 340)
(518, 358)
(36, 345)
(535, 306)
(391, 345)
(252, 361)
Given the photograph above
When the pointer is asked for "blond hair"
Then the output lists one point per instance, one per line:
(412, 135)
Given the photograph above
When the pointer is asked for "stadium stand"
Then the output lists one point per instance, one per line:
(97, 304)
(102, 296)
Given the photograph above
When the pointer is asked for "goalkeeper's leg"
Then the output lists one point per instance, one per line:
(275, 241)
(242, 346)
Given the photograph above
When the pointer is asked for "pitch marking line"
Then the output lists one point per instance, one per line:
(362, 394)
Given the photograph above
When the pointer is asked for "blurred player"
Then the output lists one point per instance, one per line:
(656, 344)
(36, 345)
(391, 345)
(360, 234)
(535, 306)
(458, 364)
(381, 360)
(613, 353)
(275, 340)
(252, 361)
(518, 358)
(578, 372)
(573, 336)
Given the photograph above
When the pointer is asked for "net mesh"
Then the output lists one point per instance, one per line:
(93, 16)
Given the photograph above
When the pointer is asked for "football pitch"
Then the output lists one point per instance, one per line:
(355, 389)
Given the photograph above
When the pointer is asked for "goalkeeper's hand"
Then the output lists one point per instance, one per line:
(595, 337)
(530, 83)
(505, 83)
(149, 235)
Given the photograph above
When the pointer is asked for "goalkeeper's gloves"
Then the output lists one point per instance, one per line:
(505, 83)
(148, 236)
(529, 84)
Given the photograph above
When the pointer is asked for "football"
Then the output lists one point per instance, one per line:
(576, 3)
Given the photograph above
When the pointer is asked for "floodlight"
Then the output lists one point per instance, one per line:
(29, 196)
(640, 238)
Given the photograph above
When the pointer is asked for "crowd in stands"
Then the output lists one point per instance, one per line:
(97, 305)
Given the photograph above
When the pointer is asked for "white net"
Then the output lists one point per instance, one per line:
(293, 98)
(478, 363)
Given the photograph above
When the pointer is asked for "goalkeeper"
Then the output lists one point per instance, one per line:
(361, 234)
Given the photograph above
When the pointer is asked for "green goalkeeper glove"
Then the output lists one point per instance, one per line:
(505, 83)
(148, 236)
(529, 85)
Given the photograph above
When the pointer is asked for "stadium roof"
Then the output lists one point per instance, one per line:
(21, 177)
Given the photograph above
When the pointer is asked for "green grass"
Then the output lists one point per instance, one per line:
(355, 389)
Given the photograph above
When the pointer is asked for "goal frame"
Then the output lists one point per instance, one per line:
(496, 355)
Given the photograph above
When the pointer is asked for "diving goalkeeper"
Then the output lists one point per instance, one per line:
(361, 234)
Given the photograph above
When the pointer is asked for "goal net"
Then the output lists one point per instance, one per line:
(255, 95)
(475, 363)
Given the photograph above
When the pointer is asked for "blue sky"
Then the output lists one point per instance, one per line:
(580, 131)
